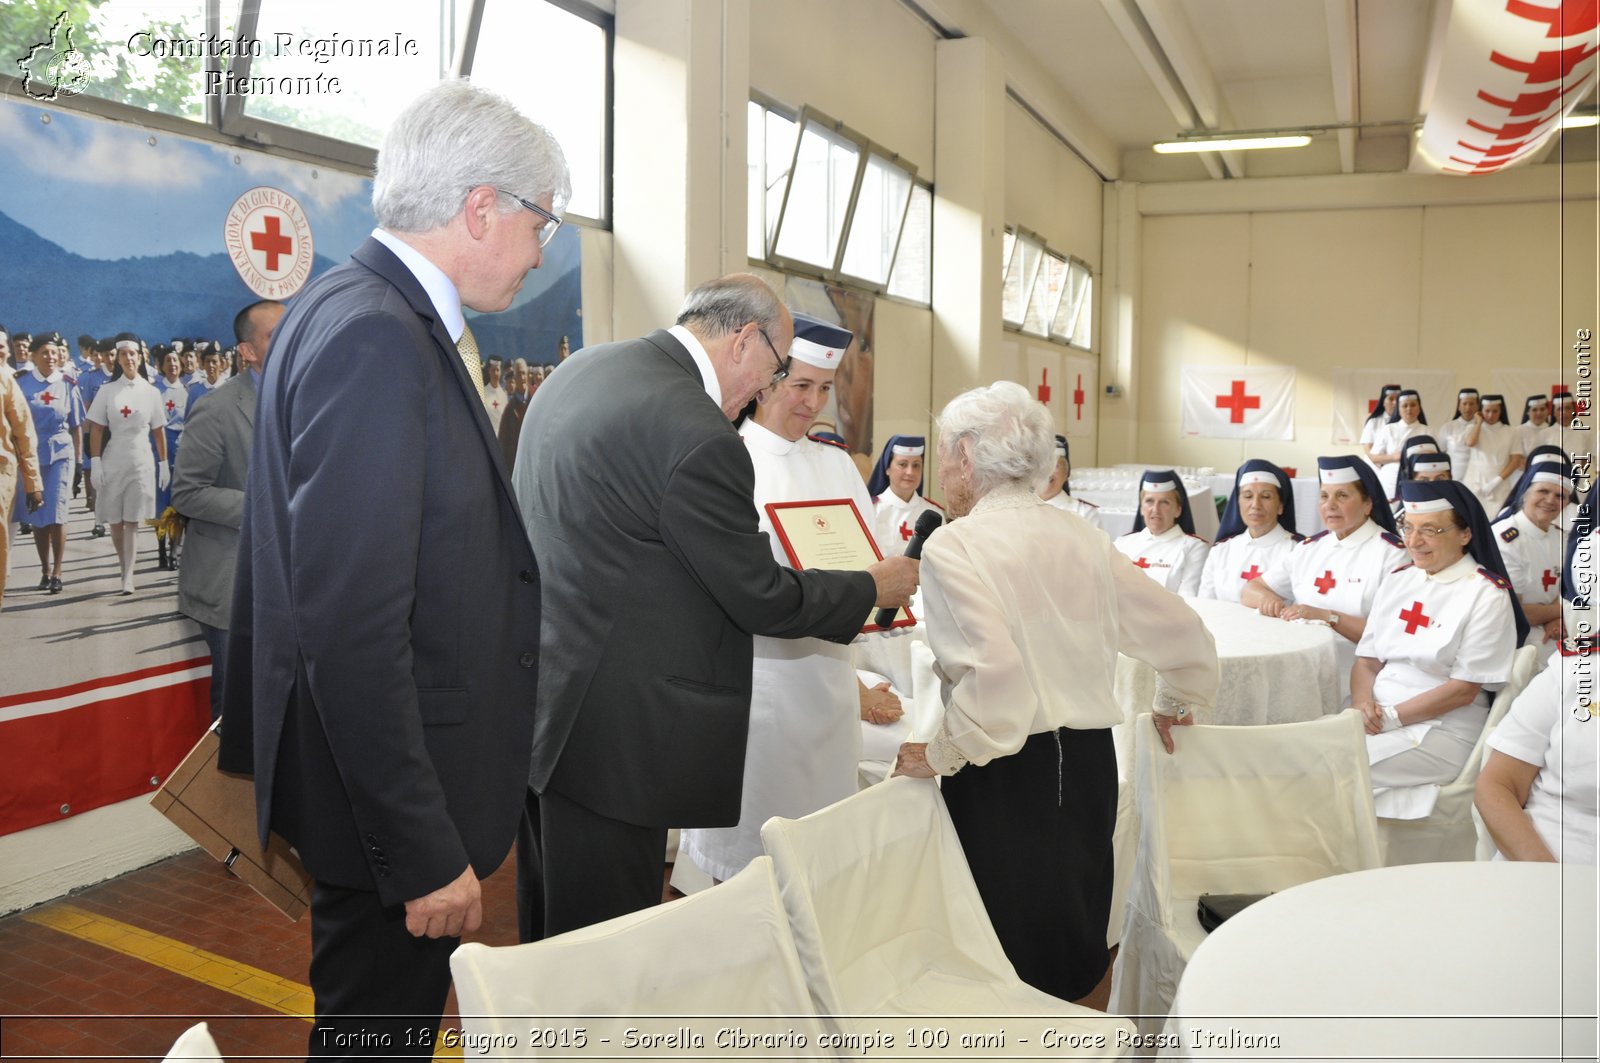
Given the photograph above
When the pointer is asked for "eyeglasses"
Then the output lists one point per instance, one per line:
(551, 222)
(1429, 532)
(783, 363)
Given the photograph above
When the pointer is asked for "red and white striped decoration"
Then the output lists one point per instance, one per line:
(1510, 70)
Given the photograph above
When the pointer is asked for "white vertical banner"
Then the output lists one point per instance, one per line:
(1517, 384)
(1355, 394)
(1080, 395)
(1044, 379)
(1238, 402)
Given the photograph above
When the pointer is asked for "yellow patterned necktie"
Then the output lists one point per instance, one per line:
(468, 346)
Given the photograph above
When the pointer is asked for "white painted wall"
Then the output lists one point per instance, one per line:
(54, 859)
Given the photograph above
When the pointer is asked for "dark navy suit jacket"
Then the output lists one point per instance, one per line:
(382, 662)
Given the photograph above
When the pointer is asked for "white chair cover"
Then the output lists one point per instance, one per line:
(1234, 810)
(196, 1046)
(1448, 833)
(724, 954)
(888, 922)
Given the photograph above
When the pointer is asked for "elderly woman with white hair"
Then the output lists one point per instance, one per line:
(1027, 609)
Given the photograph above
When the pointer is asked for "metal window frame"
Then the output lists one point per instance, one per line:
(1050, 334)
(927, 186)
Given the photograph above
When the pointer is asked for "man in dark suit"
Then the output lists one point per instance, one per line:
(208, 483)
(382, 658)
(638, 496)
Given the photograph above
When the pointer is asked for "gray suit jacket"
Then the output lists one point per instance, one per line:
(208, 488)
(639, 498)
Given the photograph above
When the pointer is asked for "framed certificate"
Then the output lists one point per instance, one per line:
(829, 534)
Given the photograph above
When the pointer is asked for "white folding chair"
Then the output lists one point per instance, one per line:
(195, 1045)
(1448, 832)
(888, 922)
(724, 954)
(1234, 810)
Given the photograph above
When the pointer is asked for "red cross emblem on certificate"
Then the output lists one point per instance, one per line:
(1414, 618)
(821, 523)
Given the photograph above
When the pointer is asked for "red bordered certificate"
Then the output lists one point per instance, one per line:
(829, 534)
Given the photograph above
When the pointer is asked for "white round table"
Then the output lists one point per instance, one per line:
(1425, 961)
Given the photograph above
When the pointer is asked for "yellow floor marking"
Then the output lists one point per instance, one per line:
(208, 968)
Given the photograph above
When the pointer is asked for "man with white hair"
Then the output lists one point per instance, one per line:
(384, 632)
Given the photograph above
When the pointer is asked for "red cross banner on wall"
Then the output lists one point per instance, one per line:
(268, 240)
(1238, 402)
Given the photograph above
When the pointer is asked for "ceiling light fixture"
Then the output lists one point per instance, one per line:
(1231, 143)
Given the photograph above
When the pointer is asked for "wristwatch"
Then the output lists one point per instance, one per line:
(1333, 618)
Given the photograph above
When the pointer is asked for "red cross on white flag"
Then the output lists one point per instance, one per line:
(1238, 402)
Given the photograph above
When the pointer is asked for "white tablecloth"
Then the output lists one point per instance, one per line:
(1307, 514)
(1424, 961)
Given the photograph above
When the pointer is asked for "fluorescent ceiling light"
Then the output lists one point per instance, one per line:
(1173, 147)
(1580, 120)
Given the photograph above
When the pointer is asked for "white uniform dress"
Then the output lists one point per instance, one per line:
(125, 472)
(1533, 561)
(1341, 575)
(1531, 435)
(1496, 444)
(1369, 436)
(1173, 559)
(894, 521)
(495, 401)
(1552, 726)
(805, 709)
(1427, 630)
(1241, 558)
(1388, 440)
(1087, 510)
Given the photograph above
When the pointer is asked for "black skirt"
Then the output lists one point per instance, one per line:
(1036, 828)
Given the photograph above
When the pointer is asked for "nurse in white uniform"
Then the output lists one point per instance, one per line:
(1162, 541)
(126, 470)
(1257, 529)
(1058, 489)
(1419, 448)
(1438, 644)
(1383, 412)
(896, 490)
(1536, 429)
(805, 732)
(1495, 454)
(1333, 576)
(1539, 793)
(1391, 438)
(1530, 543)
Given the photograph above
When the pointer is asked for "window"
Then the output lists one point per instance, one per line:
(827, 201)
(562, 84)
(912, 276)
(769, 153)
(1045, 293)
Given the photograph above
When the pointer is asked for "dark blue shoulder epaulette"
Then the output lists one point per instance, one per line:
(1297, 537)
(1510, 534)
(829, 442)
(1317, 536)
(1402, 568)
(1495, 578)
(1393, 540)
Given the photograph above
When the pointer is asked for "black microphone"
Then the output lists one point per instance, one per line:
(927, 524)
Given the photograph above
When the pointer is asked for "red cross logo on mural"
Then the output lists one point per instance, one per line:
(125, 412)
(1077, 396)
(1325, 582)
(1414, 618)
(1044, 385)
(905, 532)
(272, 242)
(1142, 563)
(1250, 573)
(1548, 579)
(1236, 402)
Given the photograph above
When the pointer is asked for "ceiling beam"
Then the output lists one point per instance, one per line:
(1141, 41)
(1175, 37)
(1343, 61)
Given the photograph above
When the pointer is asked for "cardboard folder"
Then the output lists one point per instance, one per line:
(218, 810)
